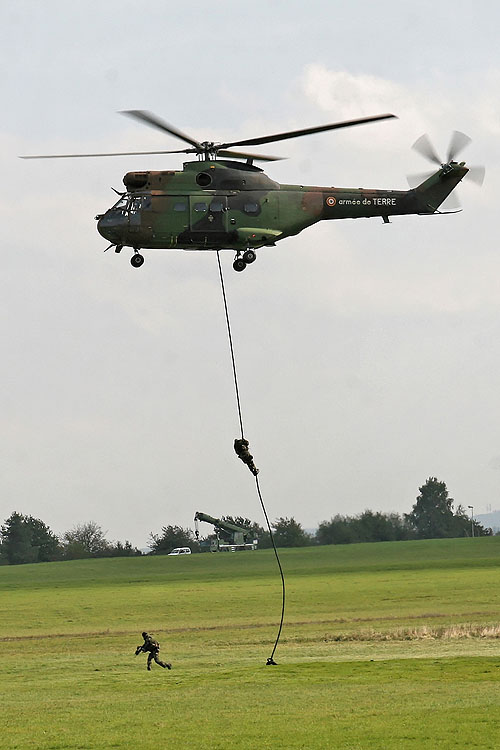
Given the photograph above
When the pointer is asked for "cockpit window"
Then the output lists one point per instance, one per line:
(132, 204)
(122, 203)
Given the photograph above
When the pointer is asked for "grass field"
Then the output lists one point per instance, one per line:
(391, 645)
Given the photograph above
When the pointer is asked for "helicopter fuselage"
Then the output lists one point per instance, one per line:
(215, 204)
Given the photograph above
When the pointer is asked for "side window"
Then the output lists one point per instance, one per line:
(200, 207)
(139, 202)
(216, 207)
(180, 206)
(251, 207)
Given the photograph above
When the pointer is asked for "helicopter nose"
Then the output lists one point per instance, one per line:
(111, 225)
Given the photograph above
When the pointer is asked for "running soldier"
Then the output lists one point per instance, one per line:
(152, 648)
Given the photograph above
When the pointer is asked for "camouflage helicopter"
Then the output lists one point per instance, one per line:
(221, 202)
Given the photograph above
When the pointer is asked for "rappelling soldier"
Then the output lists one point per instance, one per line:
(152, 648)
(241, 448)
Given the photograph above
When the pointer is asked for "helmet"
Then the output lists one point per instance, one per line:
(144, 634)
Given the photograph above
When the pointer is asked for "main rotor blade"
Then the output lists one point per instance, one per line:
(243, 155)
(122, 153)
(457, 143)
(156, 122)
(305, 131)
(425, 148)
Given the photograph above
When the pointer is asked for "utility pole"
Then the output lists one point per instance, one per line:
(471, 519)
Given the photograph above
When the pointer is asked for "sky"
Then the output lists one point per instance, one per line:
(367, 354)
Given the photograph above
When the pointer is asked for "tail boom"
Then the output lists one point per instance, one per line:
(353, 203)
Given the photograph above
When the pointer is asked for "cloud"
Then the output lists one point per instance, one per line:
(343, 95)
(425, 106)
(348, 94)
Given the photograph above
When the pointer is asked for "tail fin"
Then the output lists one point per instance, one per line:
(434, 190)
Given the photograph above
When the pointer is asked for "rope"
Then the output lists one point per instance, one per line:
(238, 404)
(241, 447)
(270, 659)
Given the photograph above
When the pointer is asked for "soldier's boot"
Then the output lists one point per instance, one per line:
(168, 665)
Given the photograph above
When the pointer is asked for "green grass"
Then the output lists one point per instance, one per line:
(392, 645)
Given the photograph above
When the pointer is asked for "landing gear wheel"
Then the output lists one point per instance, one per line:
(249, 256)
(137, 260)
(239, 264)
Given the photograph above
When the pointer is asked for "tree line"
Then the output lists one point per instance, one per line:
(24, 539)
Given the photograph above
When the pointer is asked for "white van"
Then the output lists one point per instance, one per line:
(180, 551)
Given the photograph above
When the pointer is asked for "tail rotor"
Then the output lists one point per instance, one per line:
(425, 148)
(458, 142)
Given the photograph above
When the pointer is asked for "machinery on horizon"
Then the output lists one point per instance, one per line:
(229, 537)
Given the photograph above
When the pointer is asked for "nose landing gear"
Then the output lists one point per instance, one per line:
(241, 261)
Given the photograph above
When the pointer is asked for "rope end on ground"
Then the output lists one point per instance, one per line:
(270, 662)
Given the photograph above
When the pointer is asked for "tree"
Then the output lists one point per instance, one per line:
(432, 516)
(85, 540)
(170, 538)
(288, 532)
(49, 546)
(123, 550)
(462, 525)
(339, 530)
(26, 540)
(380, 527)
(16, 540)
(366, 527)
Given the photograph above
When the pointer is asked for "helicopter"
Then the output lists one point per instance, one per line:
(223, 201)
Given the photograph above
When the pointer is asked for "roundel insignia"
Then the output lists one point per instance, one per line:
(331, 201)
